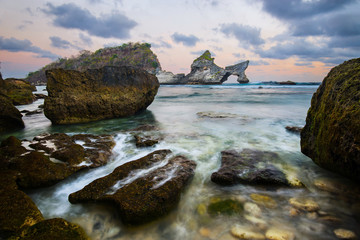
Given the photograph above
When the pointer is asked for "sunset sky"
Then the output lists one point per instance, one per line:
(283, 39)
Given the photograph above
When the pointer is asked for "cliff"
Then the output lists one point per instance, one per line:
(137, 55)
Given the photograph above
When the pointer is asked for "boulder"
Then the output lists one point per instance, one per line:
(168, 78)
(18, 90)
(294, 129)
(331, 136)
(96, 94)
(141, 190)
(249, 166)
(49, 159)
(10, 117)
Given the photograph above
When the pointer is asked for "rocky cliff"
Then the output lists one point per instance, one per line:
(204, 72)
(131, 54)
(331, 136)
(96, 94)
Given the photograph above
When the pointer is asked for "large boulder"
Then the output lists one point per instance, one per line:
(251, 167)
(18, 90)
(49, 159)
(10, 117)
(331, 136)
(96, 94)
(141, 190)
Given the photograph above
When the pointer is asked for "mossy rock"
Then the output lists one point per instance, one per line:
(10, 117)
(224, 207)
(331, 136)
(18, 90)
(54, 229)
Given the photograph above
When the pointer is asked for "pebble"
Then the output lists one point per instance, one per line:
(279, 234)
(294, 212)
(246, 233)
(263, 200)
(344, 234)
(205, 232)
(259, 223)
(252, 208)
(304, 204)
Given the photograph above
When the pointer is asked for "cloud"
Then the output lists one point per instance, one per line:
(200, 52)
(71, 16)
(25, 24)
(188, 41)
(15, 45)
(57, 42)
(246, 35)
(161, 44)
(259, 63)
(239, 55)
(85, 39)
(296, 9)
(304, 64)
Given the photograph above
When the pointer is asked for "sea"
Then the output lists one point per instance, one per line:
(199, 122)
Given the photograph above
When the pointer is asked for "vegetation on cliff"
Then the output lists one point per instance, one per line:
(129, 54)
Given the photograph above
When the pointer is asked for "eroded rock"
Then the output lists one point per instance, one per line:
(10, 117)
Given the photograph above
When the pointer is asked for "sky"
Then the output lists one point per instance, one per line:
(296, 40)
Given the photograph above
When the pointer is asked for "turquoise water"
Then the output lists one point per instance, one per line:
(252, 117)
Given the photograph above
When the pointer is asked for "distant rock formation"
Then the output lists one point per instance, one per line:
(137, 55)
(96, 94)
(204, 72)
(331, 136)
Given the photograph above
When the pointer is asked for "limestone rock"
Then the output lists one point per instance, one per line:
(239, 70)
(304, 204)
(18, 90)
(279, 234)
(96, 94)
(242, 232)
(10, 117)
(168, 78)
(344, 234)
(249, 166)
(141, 190)
(331, 136)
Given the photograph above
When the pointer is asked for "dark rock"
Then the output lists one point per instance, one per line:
(143, 128)
(146, 141)
(18, 90)
(55, 229)
(294, 129)
(287, 83)
(96, 94)
(54, 157)
(141, 190)
(249, 166)
(37, 111)
(331, 136)
(10, 117)
(40, 96)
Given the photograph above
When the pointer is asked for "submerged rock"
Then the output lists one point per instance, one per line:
(224, 207)
(145, 141)
(49, 159)
(249, 166)
(279, 234)
(294, 129)
(10, 117)
(344, 234)
(304, 204)
(96, 94)
(331, 136)
(141, 190)
(243, 232)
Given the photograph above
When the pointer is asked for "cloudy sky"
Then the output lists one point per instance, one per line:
(298, 40)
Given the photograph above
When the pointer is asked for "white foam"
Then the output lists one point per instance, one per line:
(26, 144)
(169, 175)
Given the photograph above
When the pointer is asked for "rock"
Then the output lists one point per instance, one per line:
(96, 94)
(55, 229)
(212, 114)
(37, 111)
(249, 166)
(18, 90)
(342, 187)
(205, 71)
(39, 96)
(10, 117)
(287, 83)
(168, 78)
(294, 129)
(145, 128)
(146, 141)
(331, 136)
(344, 234)
(141, 190)
(49, 159)
(224, 207)
(279, 234)
(252, 209)
(205, 232)
(259, 223)
(263, 200)
(242, 232)
(304, 204)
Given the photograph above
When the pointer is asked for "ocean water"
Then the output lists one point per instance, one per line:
(253, 116)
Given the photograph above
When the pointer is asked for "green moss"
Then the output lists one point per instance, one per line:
(224, 207)
(205, 56)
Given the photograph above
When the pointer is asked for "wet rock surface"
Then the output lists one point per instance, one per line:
(331, 136)
(249, 166)
(294, 129)
(141, 190)
(108, 92)
(10, 117)
(50, 158)
(17, 90)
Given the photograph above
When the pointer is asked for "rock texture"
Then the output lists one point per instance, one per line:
(18, 90)
(10, 117)
(331, 136)
(204, 72)
(49, 159)
(141, 190)
(96, 94)
(249, 166)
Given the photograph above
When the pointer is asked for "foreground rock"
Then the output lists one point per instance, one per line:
(96, 94)
(331, 136)
(249, 166)
(49, 159)
(10, 117)
(141, 190)
(18, 90)
(204, 72)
